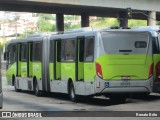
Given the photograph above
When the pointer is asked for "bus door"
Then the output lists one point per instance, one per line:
(89, 65)
(57, 60)
(80, 58)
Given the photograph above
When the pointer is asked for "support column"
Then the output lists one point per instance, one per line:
(151, 18)
(123, 20)
(59, 22)
(84, 20)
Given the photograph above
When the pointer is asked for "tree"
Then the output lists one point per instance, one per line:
(46, 16)
(44, 25)
(134, 23)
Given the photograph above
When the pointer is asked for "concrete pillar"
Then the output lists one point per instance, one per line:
(84, 20)
(151, 18)
(123, 20)
(59, 22)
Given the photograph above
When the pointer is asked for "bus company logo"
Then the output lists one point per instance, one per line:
(6, 114)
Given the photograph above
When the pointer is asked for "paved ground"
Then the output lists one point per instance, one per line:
(26, 101)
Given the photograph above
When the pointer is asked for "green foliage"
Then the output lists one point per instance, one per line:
(68, 26)
(26, 34)
(158, 22)
(133, 23)
(102, 22)
(44, 25)
(46, 16)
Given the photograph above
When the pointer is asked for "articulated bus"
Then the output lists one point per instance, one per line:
(87, 62)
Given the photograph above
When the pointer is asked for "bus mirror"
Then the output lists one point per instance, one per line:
(6, 55)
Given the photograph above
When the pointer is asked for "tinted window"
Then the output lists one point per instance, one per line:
(89, 49)
(37, 51)
(51, 51)
(23, 52)
(81, 49)
(68, 50)
(140, 44)
(59, 51)
(132, 42)
(12, 53)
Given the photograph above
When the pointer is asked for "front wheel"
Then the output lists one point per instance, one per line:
(72, 95)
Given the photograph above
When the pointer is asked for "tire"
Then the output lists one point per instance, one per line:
(72, 95)
(15, 87)
(37, 92)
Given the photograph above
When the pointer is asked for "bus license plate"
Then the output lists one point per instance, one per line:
(125, 83)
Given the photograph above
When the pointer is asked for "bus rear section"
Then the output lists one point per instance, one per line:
(126, 65)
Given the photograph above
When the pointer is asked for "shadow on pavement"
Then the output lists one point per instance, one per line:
(98, 101)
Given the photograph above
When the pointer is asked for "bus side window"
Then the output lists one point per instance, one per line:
(81, 49)
(31, 51)
(14, 50)
(51, 57)
(37, 51)
(68, 50)
(23, 53)
(9, 49)
(59, 51)
(155, 45)
(89, 49)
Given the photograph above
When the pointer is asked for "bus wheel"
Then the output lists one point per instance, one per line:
(15, 87)
(37, 92)
(72, 94)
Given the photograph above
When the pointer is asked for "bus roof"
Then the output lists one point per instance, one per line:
(148, 28)
(91, 31)
(30, 38)
(80, 32)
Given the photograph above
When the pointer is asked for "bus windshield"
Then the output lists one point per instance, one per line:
(125, 42)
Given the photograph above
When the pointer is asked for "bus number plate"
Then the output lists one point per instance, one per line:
(125, 83)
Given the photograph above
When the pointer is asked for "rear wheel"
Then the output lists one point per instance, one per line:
(72, 95)
(37, 92)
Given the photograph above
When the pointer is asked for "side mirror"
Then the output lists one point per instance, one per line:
(6, 56)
